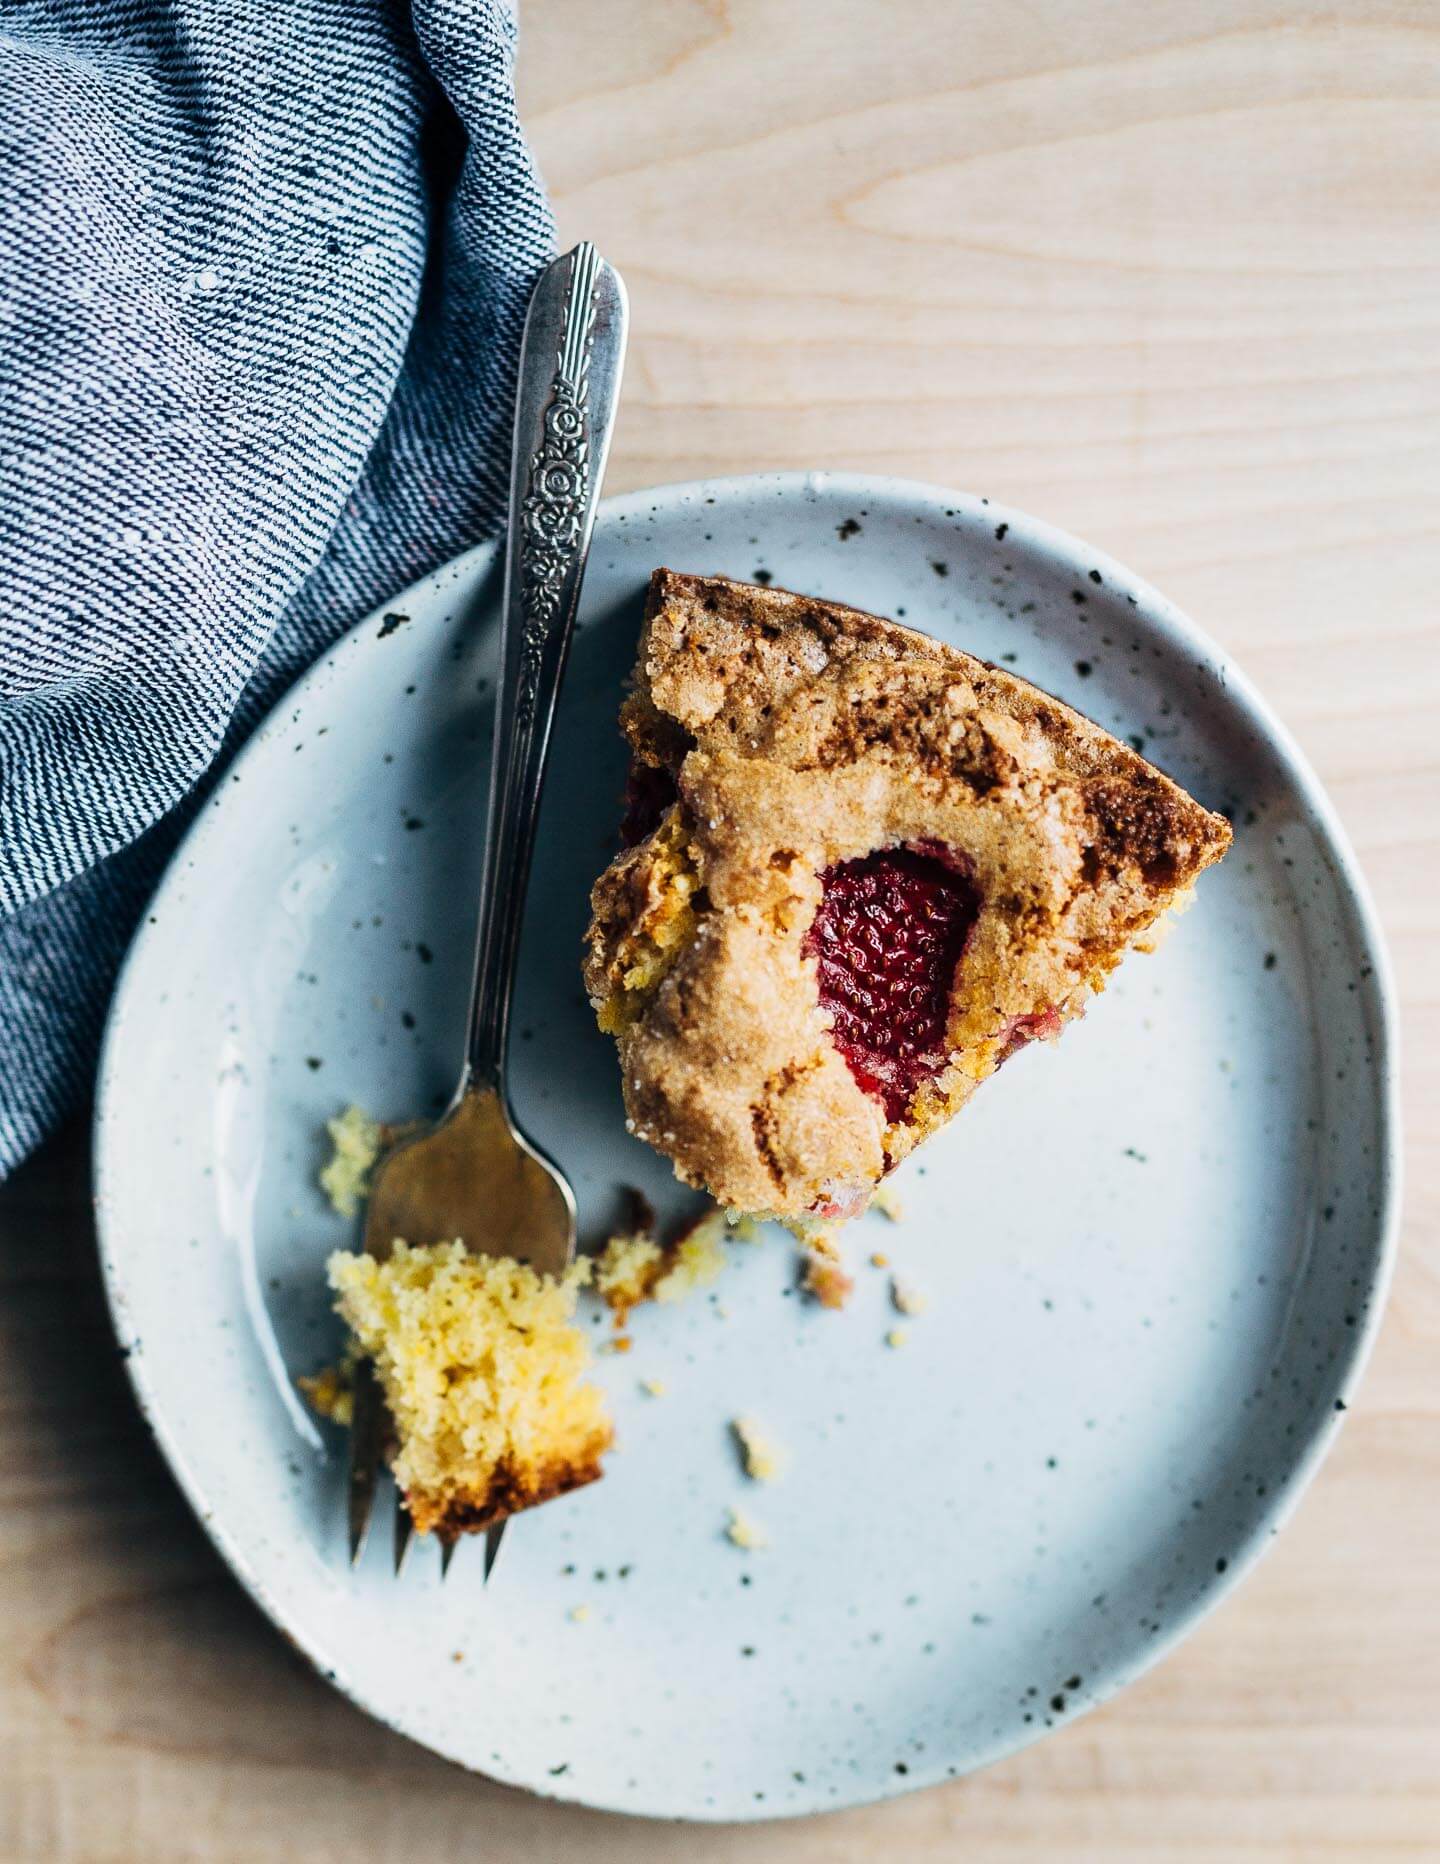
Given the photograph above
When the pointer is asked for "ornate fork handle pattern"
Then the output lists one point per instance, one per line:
(570, 366)
(554, 513)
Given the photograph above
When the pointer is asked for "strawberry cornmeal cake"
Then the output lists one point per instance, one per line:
(861, 869)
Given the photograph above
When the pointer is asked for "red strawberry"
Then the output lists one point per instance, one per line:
(888, 935)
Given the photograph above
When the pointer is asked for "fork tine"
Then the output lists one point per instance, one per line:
(494, 1534)
(366, 1434)
(447, 1554)
(404, 1527)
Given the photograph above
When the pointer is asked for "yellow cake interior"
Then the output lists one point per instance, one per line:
(664, 923)
(484, 1373)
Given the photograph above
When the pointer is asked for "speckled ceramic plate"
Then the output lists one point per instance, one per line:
(1153, 1254)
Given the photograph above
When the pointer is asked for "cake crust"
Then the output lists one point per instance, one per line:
(796, 735)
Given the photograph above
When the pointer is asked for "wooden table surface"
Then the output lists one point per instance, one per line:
(1168, 274)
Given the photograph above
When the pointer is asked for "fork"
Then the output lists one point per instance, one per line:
(474, 1174)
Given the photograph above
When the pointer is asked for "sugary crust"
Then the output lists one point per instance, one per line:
(800, 734)
(457, 1511)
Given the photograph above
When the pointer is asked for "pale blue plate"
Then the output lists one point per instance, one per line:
(1154, 1255)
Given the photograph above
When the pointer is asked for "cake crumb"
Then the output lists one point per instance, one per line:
(743, 1532)
(887, 1200)
(906, 1297)
(635, 1266)
(626, 1271)
(764, 1458)
(356, 1142)
(578, 1614)
(825, 1276)
(330, 1393)
(879, 1260)
(897, 1336)
(697, 1259)
(653, 1388)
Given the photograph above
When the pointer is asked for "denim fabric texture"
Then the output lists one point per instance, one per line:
(263, 266)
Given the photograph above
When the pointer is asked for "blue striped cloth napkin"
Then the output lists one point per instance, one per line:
(263, 265)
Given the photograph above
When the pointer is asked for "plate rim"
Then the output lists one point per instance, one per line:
(1379, 1003)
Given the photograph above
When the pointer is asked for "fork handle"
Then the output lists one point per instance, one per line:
(572, 355)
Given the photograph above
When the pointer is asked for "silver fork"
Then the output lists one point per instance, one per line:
(474, 1174)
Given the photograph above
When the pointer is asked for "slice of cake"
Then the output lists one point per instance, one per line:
(483, 1372)
(862, 870)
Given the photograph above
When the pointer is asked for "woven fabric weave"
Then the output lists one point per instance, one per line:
(262, 274)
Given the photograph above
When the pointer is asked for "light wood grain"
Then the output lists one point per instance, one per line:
(1168, 274)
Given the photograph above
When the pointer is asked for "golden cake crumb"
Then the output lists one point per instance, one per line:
(827, 1282)
(906, 1297)
(330, 1392)
(879, 1260)
(887, 1200)
(483, 1372)
(825, 1277)
(653, 1388)
(578, 1614)
(356, 1140)
(626, 1271)
(743, 1532)
(764, 1459)
(634, 1266)
(897, 1336)
(697, 1259)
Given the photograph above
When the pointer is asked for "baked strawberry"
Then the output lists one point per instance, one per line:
(889, 933)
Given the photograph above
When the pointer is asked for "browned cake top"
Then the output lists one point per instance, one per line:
(799, 738)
